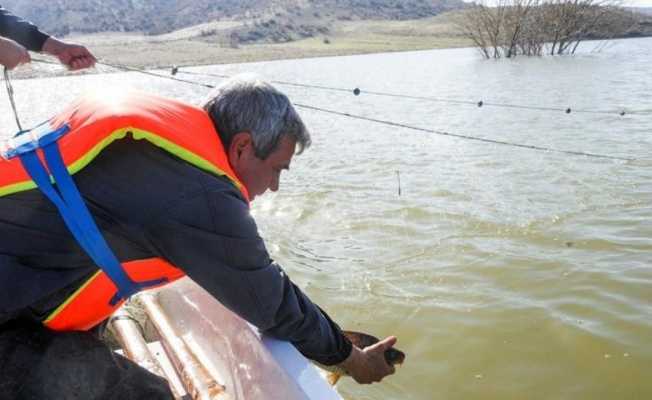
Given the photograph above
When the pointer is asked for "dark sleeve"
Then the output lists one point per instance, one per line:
(214, 239)
(23, 32)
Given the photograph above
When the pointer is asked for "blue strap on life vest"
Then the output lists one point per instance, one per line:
(73, 210)
(30, 140)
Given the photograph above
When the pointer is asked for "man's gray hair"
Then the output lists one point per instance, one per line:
(245, 103)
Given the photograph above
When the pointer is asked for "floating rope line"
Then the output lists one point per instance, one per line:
(143, 71)
(127, 68)
(481, 103)
(380, 121)
(466, 137)
(357, 92)
(175, 70)
(10, 92)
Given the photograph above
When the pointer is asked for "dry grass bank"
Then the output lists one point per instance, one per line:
(191, 46)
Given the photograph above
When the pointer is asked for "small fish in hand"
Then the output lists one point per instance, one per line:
(361, 340)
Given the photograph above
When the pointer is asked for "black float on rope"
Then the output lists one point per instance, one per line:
(175, 70)
(357, 91)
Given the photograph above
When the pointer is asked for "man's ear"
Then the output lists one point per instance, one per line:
(240, 145)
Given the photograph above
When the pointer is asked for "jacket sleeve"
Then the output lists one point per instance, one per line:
(21, 31)
(214, 239)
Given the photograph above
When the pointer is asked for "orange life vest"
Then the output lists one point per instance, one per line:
(88, 127)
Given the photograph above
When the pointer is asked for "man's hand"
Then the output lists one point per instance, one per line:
(368, 365)
(12, 54)
(73, 56)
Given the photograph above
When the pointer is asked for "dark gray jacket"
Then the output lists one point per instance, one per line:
(21, 31)
(149, 204)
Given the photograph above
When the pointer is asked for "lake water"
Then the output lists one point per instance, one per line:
(506, 273)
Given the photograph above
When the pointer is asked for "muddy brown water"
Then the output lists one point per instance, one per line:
(505, 273)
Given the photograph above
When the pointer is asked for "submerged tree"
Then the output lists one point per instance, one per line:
(482, 25)
(517, 19)
(535, 27)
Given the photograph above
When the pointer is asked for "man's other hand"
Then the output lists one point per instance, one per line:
(12, 54)
(73, 56)
(368, 365)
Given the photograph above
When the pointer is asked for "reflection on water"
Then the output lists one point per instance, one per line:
(505, 273)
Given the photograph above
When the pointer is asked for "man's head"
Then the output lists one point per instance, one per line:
(260, 130)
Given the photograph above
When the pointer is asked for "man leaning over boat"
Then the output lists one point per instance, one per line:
(163, 195)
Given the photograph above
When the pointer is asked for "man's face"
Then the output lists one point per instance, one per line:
(259, 175)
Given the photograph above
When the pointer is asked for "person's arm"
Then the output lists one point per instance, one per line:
(21, 31)
(215, 240)
(368, 365)
(73, 56)
(12, 54)
(26, 34)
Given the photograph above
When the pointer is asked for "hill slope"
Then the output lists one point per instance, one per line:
(61, 17)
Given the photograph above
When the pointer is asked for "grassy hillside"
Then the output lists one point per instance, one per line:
(276, 20)
(190, 47)
(268, 33)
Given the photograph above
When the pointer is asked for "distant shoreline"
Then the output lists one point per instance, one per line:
(39, 70)
(186, 48)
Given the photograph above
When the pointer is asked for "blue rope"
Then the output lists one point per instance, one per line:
(78, 219)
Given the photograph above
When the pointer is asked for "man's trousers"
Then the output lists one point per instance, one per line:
(39, 364)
